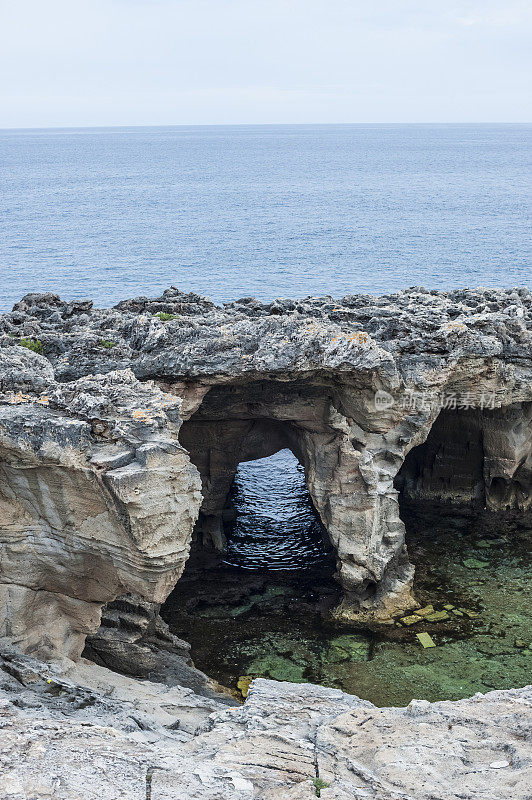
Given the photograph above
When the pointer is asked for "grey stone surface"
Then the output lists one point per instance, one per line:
(80, 731)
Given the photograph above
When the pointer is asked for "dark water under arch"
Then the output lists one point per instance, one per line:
(276, 526)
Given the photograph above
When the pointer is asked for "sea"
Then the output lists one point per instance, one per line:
(266, 211)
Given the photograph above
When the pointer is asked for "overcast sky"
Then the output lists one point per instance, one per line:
(164, 62)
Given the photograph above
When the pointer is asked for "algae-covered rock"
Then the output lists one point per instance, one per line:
(422, 612)
(277, 667)
(281, 656)
(223, 611)
(347, 648)
(425, 639)
(275, 591)
(437, 616)
(474, 563)
(493, 645)
(411, 619)
(243, 683)
(270, 595)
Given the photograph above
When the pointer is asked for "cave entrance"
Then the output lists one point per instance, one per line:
(253, 444)
(478, 457)
(449, 466)
(260, 559)
(441, 493)
(464, 499)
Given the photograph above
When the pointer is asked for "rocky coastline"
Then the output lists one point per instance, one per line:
(81, 731)
(120, 434)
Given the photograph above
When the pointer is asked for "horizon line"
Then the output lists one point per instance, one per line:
(247, 125)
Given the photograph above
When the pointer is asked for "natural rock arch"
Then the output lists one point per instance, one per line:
(330, 379)
(241, 423)
(351, 489)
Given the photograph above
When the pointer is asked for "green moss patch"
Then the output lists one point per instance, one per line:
(32, 344)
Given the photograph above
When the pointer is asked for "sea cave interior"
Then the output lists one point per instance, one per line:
(260, 581)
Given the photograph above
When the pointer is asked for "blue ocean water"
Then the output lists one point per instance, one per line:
(263, 210)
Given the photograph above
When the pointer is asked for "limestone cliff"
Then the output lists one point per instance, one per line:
(97, 499)
(105, 435)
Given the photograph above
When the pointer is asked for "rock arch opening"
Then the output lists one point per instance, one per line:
(254, 437)
(464, 495)
(276, 555)
(261, 596)
(269, 520)
(477, 457)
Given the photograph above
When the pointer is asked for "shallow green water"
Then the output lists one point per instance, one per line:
(274, 624)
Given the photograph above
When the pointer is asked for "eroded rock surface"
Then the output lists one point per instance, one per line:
(86, 732)
(99, 493)
(97, 499)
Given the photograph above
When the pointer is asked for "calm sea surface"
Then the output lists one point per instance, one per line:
(262, 210)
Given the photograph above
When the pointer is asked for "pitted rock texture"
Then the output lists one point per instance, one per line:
(85, 732)
(101, 497)
(97, 499)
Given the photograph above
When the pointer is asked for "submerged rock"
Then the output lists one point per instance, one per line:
(437, 616)
(425, 639)
(474, 563)
(410, 620)
(243, 683)
(347, 648)
(277, 667)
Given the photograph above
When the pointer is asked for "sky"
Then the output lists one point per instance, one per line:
(193, 62)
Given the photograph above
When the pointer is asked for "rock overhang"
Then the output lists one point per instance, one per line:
(122, 380)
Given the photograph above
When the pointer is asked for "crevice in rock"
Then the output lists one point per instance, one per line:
(134, 640)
